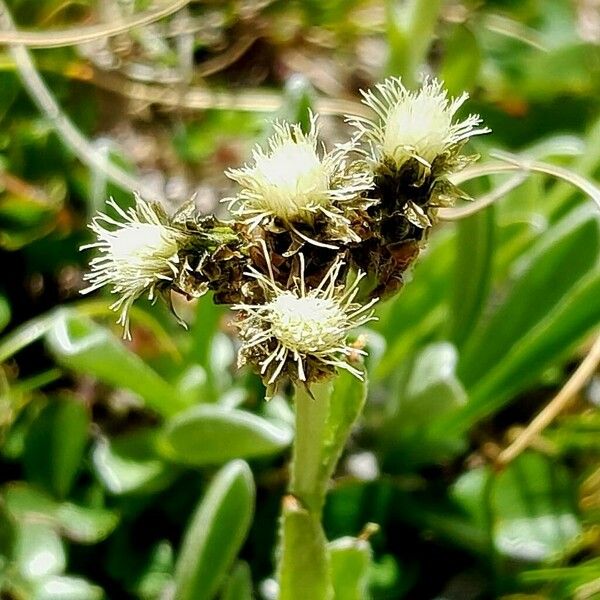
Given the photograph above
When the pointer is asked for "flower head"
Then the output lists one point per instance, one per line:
(296, 181)
(137, 255)
(415, 125)
(303, 329)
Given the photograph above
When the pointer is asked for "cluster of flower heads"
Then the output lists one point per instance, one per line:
(318, 236)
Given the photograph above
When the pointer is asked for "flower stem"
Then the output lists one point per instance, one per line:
(304, 569)
(324, 420)
(307, 483)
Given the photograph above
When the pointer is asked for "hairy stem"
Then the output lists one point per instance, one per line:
(307, 483)
(303, 568)
(324, 420)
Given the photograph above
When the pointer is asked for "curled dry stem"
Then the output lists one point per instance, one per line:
(83, 34)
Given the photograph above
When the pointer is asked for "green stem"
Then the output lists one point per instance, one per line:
(307, 483)
(304, 567)
(324, 420)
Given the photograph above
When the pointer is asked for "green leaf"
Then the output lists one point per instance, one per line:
(346, 402)
(5, 312)
(304, 563)
(39, 551)
(541, 278)
(531, 507)
(427, 391)
(79, 344)
(577, 314)
(462, 60)
(67, 588)
(299, 97)
(210, 434)
(129, 464)
(350, 561)
(202, 339)
(81, 524)
(158, 574)
(420, 311)
(473, 267)
(55, 444)
(239, 583)
(216, 533)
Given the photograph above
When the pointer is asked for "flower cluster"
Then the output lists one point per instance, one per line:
(318, 236)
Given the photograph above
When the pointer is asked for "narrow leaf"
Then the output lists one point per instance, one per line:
(79, 344)
(216, 533)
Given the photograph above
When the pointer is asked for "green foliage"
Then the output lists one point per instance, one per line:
(207, 434)
(109, 449)
(350, 560)
(216, 532)
(51, 459)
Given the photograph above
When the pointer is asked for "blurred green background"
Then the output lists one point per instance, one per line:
(112, 454)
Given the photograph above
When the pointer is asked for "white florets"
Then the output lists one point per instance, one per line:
(137, 254)
(307, 323)
(295, 179)
(299, 324)
(417, 125)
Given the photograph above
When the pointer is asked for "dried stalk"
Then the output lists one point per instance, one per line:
(80, 35)
(64, 127)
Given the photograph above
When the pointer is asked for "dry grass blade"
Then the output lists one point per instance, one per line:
(511, 162)
(461, 212)
(580, 377)
(80, 35)
(201, 98)
(69, 134)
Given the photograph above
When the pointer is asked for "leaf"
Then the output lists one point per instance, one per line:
(427, 391)
(462, 60)
(202, 340)
(563, 326)
(39, 551)
(531, 507)
(81, 524)
(472, 267)
(350, 560)
(420, 310)
(79, 344)
(542, 277)
(5, 312)
(216, 533)
(551, 305)
(129, 464)
(157, 575)
(299, 99)
(346, 402)
(210, 434)
(303, 567)
(239, 583)
(55, 444)
(67, 588)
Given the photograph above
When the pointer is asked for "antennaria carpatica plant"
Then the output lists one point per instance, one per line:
(318, 238)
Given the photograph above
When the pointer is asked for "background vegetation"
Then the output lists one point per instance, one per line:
(112, 455)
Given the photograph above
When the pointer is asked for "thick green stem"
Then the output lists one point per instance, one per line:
(307, 483)
(324, 419)
(304, 567)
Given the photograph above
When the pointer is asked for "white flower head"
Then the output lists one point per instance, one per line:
(296, 179)
(301, 327)
(417, 125)
(137, 255)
